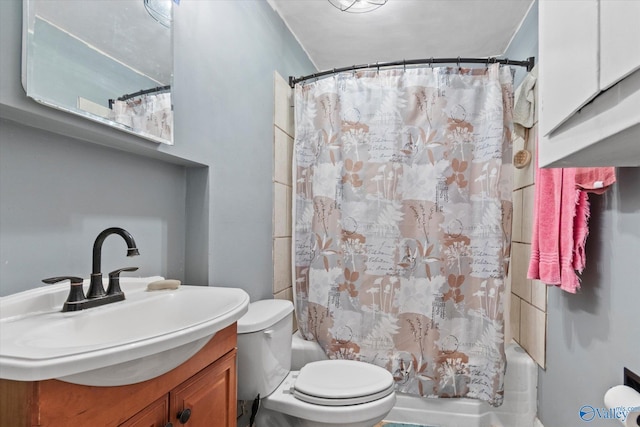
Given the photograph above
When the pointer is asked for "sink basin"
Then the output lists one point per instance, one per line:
(142, 337)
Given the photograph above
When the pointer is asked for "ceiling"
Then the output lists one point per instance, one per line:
(402, 29)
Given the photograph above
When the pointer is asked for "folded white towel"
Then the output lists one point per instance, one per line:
(524, 107)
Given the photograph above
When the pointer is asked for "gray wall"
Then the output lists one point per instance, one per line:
(211, 190)
(226, 54)
(524, 43)
(57, 194)
(592, 335)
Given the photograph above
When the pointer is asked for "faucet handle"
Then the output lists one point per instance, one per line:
(114, 280)
(76, 293)
(74, 280)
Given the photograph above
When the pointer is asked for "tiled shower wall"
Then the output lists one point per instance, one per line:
(282, 188)
(528, 319)
(528, 297)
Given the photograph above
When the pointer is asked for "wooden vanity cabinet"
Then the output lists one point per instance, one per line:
(154, 415)
(206, 397)
(204, 386)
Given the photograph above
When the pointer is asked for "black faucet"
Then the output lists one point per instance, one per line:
(96, 296)
(96, 290)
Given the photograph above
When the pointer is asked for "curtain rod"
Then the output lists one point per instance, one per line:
(144, 92)
(528, 63)
(139, 93)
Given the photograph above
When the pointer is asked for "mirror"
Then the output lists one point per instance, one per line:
(108, 61)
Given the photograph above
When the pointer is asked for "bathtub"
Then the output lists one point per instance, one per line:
(518, 409)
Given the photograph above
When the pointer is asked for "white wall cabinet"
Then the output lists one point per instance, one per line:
(619, 40)
(589, 83)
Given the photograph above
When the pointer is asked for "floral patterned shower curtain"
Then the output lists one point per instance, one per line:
(403, 221)
(150, 114)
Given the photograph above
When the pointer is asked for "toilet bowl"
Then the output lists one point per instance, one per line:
(325, 393)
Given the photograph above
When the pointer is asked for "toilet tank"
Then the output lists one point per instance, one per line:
(264, 347)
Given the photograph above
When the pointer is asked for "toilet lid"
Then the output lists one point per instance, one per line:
(342, 382)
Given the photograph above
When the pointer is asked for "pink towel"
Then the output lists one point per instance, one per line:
(560, 227)
(595, 180)
(588, 180)
(552, 240)
(580, 231)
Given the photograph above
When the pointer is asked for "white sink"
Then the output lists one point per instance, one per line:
(142, 337)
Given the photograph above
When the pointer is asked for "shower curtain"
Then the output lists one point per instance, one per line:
(150, 114)
(402, 223)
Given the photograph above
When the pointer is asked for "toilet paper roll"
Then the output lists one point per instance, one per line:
(625, 402)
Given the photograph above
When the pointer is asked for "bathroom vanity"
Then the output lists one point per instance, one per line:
(199, 393)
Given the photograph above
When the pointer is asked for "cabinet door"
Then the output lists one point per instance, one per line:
(619, 40)
(568, 73)
(209, 396)
(154, 415)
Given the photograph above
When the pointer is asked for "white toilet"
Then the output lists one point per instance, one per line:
(326, 393)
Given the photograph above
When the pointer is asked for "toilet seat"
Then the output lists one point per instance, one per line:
(283, 401)
(342, 383)
(327, 401)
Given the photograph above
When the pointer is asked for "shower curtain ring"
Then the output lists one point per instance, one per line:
(431, 62)
(459, 68)
(378, 67)
(404, 65)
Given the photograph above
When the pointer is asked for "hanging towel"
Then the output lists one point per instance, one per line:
(580, 231)
(524, 107)
(588, 180)
(552, 240)
(560, 228)
(595, 180)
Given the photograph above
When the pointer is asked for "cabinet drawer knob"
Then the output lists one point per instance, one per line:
(184, 415)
